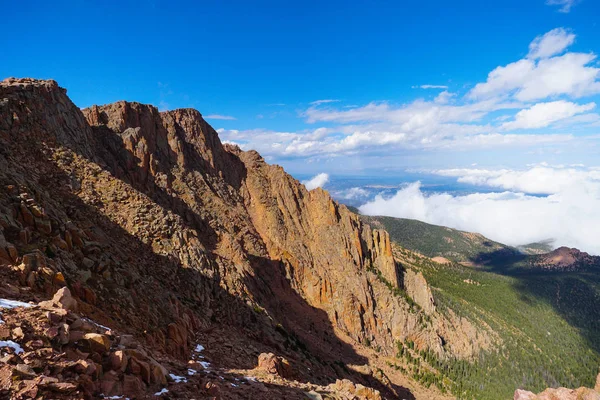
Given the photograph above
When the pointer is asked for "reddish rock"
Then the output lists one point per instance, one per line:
(132, 386)
(213, 389)
(275, 365)
(118, 361)
(110, 384)
(97, 342)
(62, 299)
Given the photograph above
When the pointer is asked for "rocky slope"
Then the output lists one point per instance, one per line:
(561, 393)
(163, 233)
(565, 259)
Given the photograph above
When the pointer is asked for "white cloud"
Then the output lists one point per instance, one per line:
(218, 116)
(316, 181)
(565, 5)
(539, 179)
(543, 114)
(569, 214)
(528, 80)
(352, 193)
(543, 74)
(484, 118)
(324, 101)
(444, 97)
(551, 43)
(431, 87)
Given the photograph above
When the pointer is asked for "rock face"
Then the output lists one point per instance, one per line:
(151, 222)
(417, 288)
(273, 364)
(561, 393)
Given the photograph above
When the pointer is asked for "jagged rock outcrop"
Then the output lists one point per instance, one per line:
(417, 288)
(163, 232)
(561, 393)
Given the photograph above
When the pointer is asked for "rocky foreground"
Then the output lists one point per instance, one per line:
(562, 393)
(137, 238)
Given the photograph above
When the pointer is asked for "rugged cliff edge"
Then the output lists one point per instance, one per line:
(162, 232)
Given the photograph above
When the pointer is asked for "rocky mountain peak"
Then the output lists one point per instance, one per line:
(162, 232)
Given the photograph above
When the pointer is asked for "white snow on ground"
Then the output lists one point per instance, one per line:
(199, 348)
(6, 303)
(106, 328)
(192, 372)
(234, 385)
(165, 390)
(178, 379)
(205, 365)
(250, 378)
(9, 343)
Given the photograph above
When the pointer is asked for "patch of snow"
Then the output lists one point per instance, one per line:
(199, 348)
(250, 378)
(192, 372)
(14, 345)
(5, 303)
(234, 385)
(178, 379)
(8, 304)
(163, 391)
(205, 365)
(106, 328)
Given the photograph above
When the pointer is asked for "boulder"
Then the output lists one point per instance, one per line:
(97, 342)
(62, 300)
(132, 386)
(118, 361)
(274, 365)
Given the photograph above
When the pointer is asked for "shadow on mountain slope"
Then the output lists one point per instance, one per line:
(153, 284)
(142, 292)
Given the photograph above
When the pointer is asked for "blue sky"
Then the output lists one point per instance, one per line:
(262, 64)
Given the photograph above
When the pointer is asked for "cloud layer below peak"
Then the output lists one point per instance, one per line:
(515, 216)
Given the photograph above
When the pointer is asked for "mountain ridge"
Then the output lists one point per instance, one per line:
(161, 231)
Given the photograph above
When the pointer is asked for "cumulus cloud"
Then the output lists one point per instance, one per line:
(570, 74)
(544, 72)
(375, 139)
(568, 214)
(565, 5)
(317, 181)
(543, 114)
(219, 116)
(444, 97)
(551, 43)
(529, 94)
